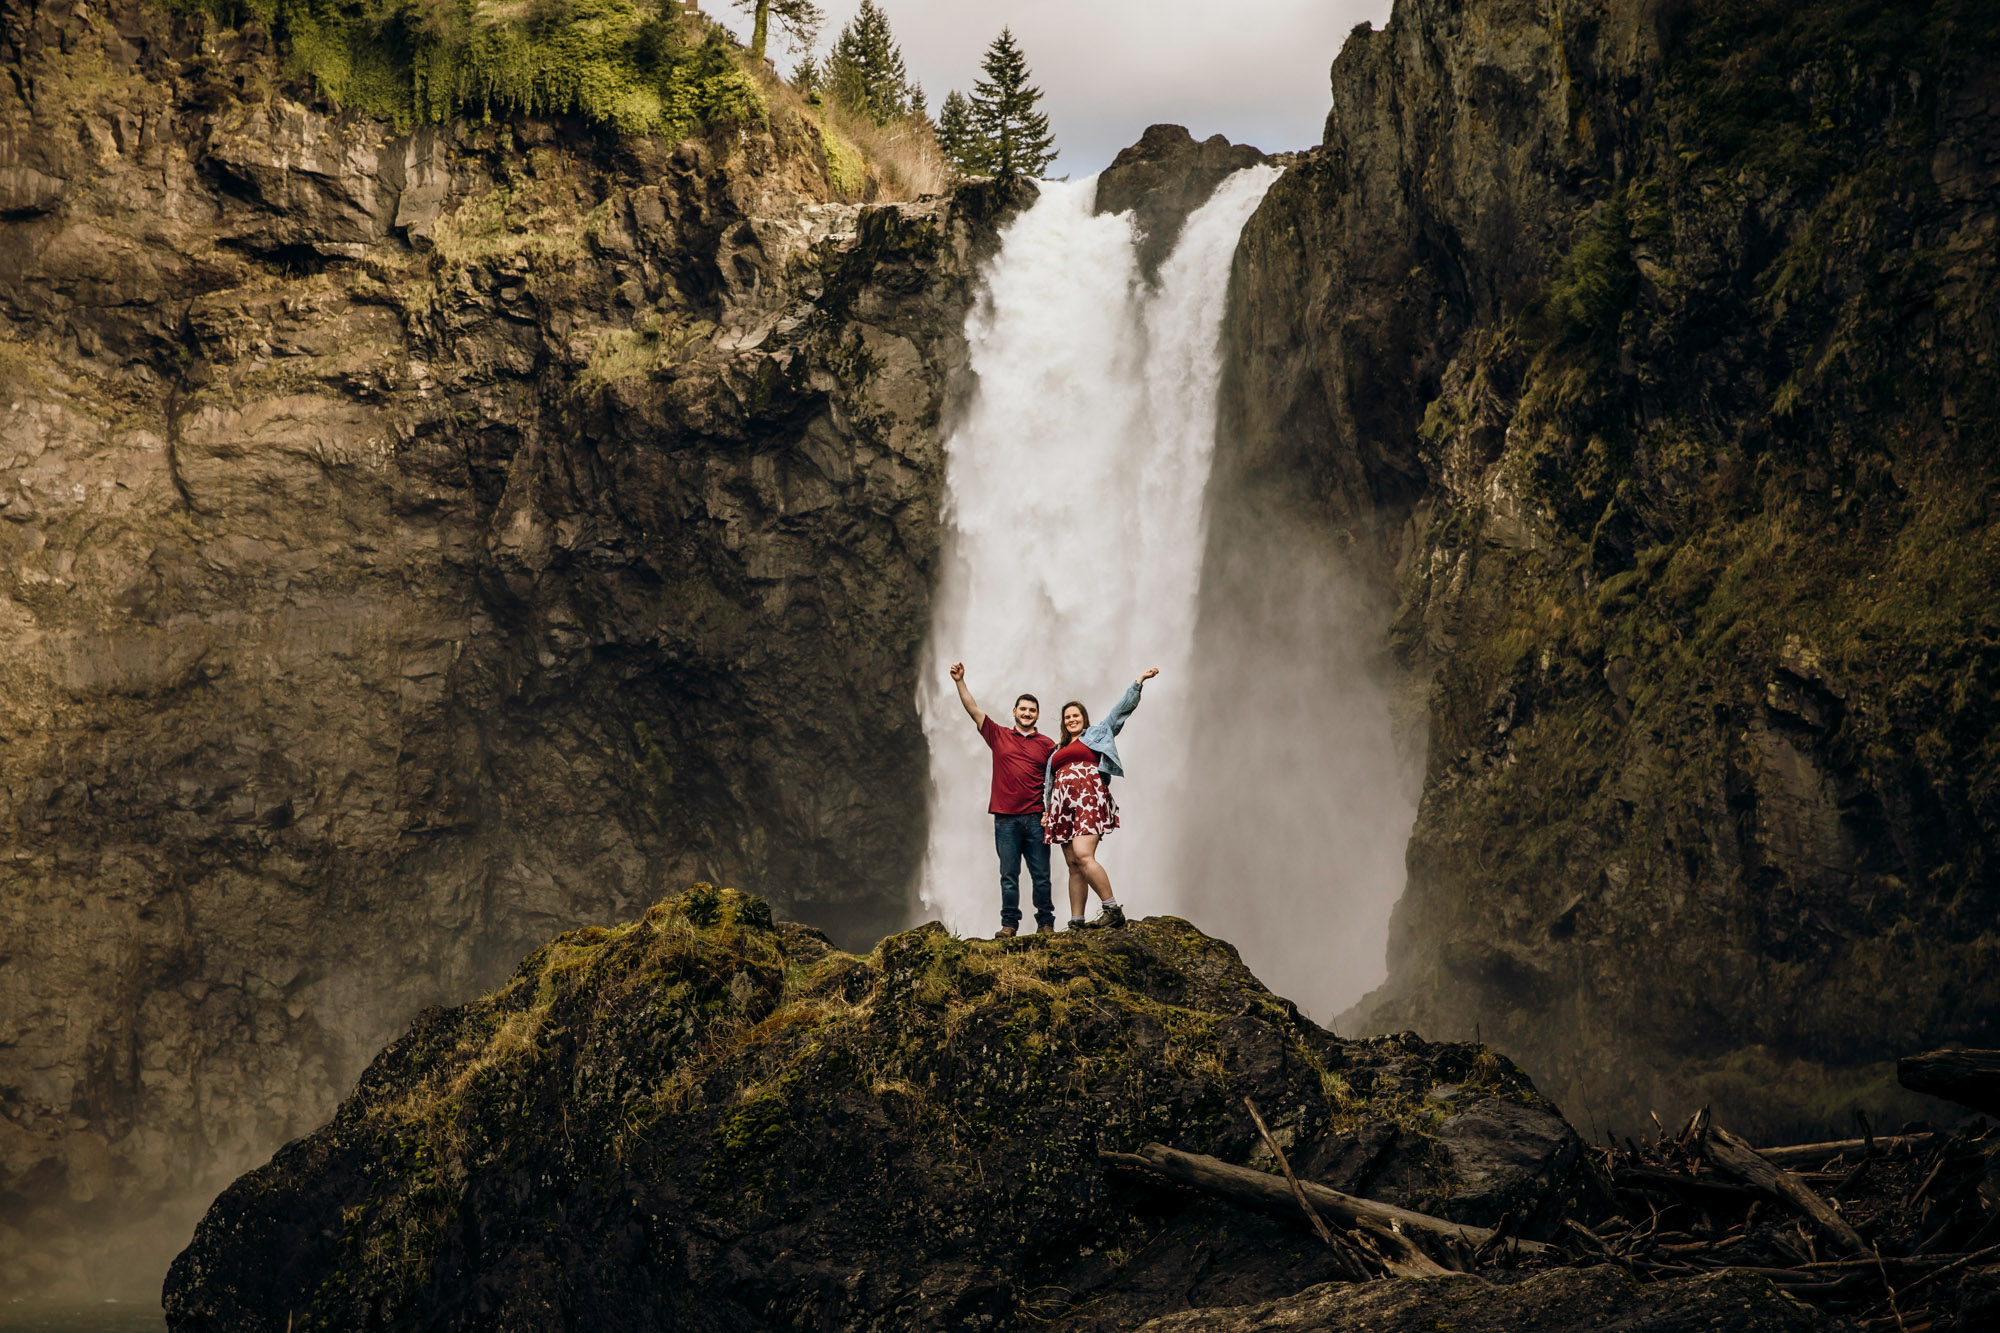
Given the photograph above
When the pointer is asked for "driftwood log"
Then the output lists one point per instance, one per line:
(1733, 1157)
(1374, 1246)
(1809, 1156)
(1259, 1189)
(1970, 1078)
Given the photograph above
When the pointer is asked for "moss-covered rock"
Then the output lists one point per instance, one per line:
(708, 1119)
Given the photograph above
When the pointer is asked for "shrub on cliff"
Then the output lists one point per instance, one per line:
(430, 61)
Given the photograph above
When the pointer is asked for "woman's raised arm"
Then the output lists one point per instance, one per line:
(1121, 710)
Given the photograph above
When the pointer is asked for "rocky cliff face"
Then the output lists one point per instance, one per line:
(1641, 355)
(414, 543)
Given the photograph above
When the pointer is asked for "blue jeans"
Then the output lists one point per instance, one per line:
(1016, 837)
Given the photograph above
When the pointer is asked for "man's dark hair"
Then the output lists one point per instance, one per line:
(1028, 698)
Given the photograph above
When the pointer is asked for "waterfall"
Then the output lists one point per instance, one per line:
(1073, 513)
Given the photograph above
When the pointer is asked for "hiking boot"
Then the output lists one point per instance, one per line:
(1046, 929)
(1112, 918)
(1007, 933)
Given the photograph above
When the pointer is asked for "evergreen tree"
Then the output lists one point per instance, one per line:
(958, 138)
(799, 18)
(1017, 141)
(807, 75)
(864, 72)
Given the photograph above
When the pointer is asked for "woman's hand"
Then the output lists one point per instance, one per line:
(1148, 674)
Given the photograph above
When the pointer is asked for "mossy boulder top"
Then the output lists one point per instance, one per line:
(708, 1119)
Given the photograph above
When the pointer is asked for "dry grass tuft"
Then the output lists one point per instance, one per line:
(866, 162)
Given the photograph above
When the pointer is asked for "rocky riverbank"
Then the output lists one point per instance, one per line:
(707, 1118)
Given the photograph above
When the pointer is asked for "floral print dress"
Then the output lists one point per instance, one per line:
(1080, 803)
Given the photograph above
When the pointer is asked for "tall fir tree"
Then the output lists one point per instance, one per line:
(1017, 140)
(807, 75)
(958, 137)
(864, 71)
(800, 20)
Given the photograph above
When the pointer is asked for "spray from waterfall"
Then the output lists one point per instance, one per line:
(1074, 547)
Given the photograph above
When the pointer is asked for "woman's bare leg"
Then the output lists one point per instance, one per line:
(1082, 854)
(1079, 891)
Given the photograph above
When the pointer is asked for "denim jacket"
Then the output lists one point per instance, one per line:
(1099, 736)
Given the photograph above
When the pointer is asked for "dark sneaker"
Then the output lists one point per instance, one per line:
(1111, 918)
(1046, 929)
(1007, 933)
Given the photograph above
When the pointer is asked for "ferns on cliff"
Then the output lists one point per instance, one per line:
(430, 61)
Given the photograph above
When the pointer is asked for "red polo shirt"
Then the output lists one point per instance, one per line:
(1019, 763)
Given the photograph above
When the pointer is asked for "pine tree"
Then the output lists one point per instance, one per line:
(800, 20)
(1017, 141)
(865, 71)
(958, 138)
(807, 75)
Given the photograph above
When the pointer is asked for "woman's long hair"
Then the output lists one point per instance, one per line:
(1062, 726)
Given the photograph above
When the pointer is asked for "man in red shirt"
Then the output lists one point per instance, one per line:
(1020, 762)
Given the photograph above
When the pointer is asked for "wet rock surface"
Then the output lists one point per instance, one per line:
(413, 544)
(1573, 337)
(1162, 179)
(704, 1119)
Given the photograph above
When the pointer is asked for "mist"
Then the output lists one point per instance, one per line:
(1303, 793)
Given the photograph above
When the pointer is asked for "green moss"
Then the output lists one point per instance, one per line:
(1593, 283)
(845, 168)
(433, 61)
(656, 343)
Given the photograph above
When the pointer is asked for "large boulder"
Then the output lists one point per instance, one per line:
(705, 1119)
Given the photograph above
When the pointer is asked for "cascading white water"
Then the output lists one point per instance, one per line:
(1073, 511)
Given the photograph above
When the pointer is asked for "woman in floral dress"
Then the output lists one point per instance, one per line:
(1076, 800)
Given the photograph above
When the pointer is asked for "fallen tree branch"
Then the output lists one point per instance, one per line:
(1356, 1263)
(1964, 1261)
(1807, 1156)
(1658, 1178)
(1260, 1189)
(1732, 1156)
(1970, 1078)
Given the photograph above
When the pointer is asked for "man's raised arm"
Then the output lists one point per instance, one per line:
(965, 695)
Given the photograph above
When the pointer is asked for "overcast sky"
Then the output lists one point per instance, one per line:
(1255, 70)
